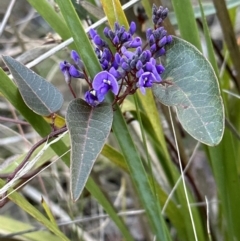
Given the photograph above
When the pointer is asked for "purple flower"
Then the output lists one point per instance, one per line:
(132, 28)
(116, 40)
(117, 58)
(149, 33)
(75, 72)
(137, 42)
(139, 65)
(125, 37)
(146, 80)
(160, 52)
(75, 56)
(92, 97)
(103, 82)
(69, 71)
(64, 67)
(162, 42)
(105, 31)
(136, 67)
(169, 39)
(159, 14)
(98, 41)
(92, 33)
(115, 73)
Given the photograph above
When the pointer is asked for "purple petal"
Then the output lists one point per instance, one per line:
(153, 48)
(137, 42)
(117, 58)
(75, 72)
(151, 40)
(98, 41)
(106, 54)
(116, 40)
(116, 26)
(160, 52)
(115, 73)
(139, 65)
(139, 73)
(92, 98)
(142, 89)
(121, 31)
(92, 32)
(148, 33)
(160, 68)
(146, 80)
(162, 42)
(125, 66)
(111, 34)
(124, 37)
(127, 53)
(138, 51)
(149, 67)
(105, 31)
(169, 39)
(132, 28)
(104, 77)
(64, 66)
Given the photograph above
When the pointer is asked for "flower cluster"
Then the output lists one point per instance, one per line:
(132, 66)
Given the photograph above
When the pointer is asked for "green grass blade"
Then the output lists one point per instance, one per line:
(129, 151)
(172, 211)
(186, 21)
(139, 176)
(223, 160)
(208, 9)
(52, 17)
(211, 55)
(229, 36)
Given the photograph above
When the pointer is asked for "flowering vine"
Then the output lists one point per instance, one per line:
(132, 66)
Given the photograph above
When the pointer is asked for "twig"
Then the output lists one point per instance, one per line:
(34, 147)
(23, 163)
(6, 16)
(5, 119)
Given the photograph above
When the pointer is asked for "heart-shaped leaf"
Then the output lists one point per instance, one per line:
(193, 89)
(38, 94)
(89, 128)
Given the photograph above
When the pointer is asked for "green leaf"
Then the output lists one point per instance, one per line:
(194, 91)
(38, 94)
(89, 128)
(48, 212)
(186, 22)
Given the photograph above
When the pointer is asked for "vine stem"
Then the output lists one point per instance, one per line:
(72, 91)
